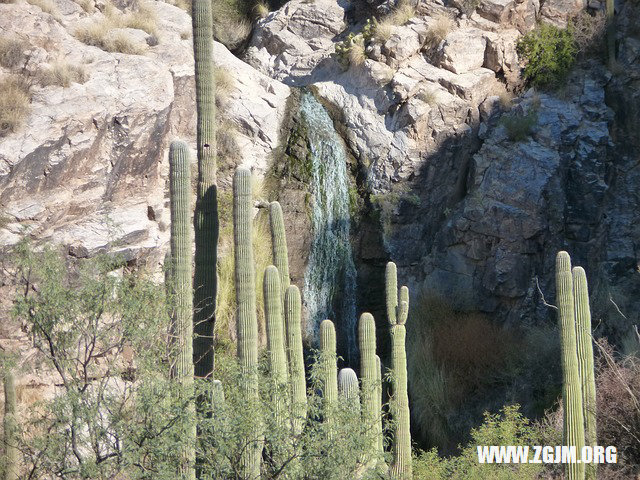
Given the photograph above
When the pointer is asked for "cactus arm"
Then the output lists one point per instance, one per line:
(585, 361)
(573, 425)
(391, 290)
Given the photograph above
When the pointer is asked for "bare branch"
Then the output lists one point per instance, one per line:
(544, 302)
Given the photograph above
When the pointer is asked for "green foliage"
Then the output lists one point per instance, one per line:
(320, 451)
(549, 53)
(520, 126)
(117, 411)
(508, 427)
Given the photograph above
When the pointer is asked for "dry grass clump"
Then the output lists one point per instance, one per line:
(224, 83)
(428, 96)
(11, 52)
(98, 35)
(87, 5)
(383, 30)
(588, 32)
(14, 103)
(47, 6)
(231, 25)
(438, 30)
(261, 9)
(142, 18)
(403, 13)
(62, 73)
(7, 1)
(357, 54)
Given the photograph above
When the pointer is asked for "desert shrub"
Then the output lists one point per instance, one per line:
(98, 35)
(14, 103)
(105, 338)
(224, 83)
(549, 53)
(509, 427)
(142, 18)
(518, 125)
(11, 52)
(452, 354)
(438, 30)
(588, 32)
(62, 73)
(357, 54)
(402, 13)
(231, 25)
(618, 404)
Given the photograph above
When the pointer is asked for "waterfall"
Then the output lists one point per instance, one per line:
(330, 279)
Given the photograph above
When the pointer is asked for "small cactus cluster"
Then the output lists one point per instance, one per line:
(285, 349)
(578, 380)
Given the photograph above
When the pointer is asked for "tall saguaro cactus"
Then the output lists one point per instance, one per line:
(275, 341)
(293, 319)
(585, 360)
(247, 321)
(397, 314)
(279, 242)
(180, 278)
(329, 368)
(573, 425)
(10, 427)
(371, 410)
(206, 212)
(348, 387)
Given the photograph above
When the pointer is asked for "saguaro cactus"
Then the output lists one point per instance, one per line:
(10, 427)
(573, 425)
(329, 368)
(275, 340)
(585, 360)
(279, 243)
(397, 314)
(247, 321)
(292, 303)
(206, 212)
(371, 407)
(348, 387)
(180, 278)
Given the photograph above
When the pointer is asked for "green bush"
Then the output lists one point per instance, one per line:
(549, 53)
(519, 127)
(508, 427)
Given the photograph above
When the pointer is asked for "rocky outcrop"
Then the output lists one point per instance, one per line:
(88, 169)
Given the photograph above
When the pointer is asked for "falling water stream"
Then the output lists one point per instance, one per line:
(330, 278)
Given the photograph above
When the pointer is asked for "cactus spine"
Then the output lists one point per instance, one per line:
(293, 319)
(10, 427)
(573, 425)
(368, 372)
(397, 314)
(279, 242)
(275, 340)
(206, 212)
(247, 321)
(329, 372)
(180, 278)
(585, 361)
